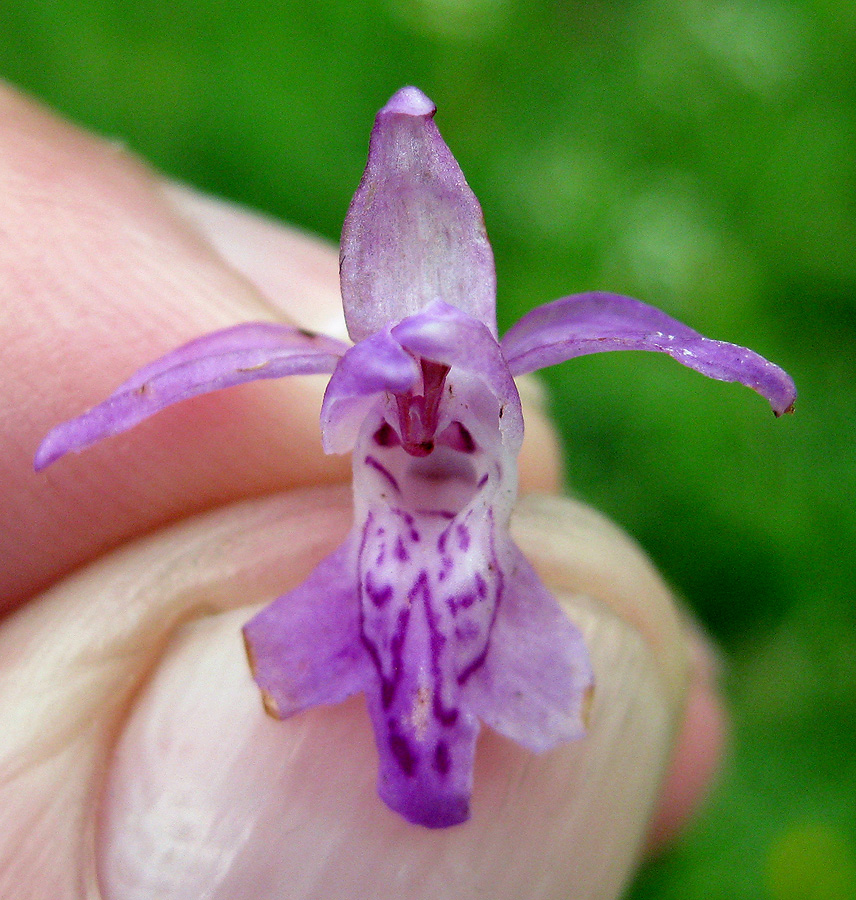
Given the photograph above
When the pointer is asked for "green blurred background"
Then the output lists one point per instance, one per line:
(698, 155)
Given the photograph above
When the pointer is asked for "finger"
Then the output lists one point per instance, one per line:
(72, 661)
(101, 271)
(99, 274)
(595, 549)
(297, 273)
(698, 750)
(206, 795)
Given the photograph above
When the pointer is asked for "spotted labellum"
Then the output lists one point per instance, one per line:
(428, 608)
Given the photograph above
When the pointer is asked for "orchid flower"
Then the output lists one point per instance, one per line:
(428, 608)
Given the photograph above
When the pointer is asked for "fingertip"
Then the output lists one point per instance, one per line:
(701, 742)
(297, 273)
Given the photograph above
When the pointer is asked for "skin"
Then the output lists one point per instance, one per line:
(135, 757)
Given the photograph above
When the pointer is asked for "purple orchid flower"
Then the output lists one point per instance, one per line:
(428, 608)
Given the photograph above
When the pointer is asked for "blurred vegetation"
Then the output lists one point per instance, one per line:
(698, 154)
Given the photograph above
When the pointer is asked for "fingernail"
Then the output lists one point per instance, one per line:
(705, 658)
(209, 796)
(701, 741)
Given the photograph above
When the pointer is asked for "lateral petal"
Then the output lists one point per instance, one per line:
(414, 231)
(224, 358)
(596, 322)
(371, 368)
(536, 681)
(305, 648)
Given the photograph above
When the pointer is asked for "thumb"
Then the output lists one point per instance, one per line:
(138, 759)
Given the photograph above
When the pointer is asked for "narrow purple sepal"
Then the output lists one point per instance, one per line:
(414, 232)
(596, 322)
(305, 647)
(536, 681)
(245, 352)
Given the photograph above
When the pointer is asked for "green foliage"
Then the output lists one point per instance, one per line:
(696, 154)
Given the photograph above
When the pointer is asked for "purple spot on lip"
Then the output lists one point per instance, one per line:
(438, 640)
(440, 513)
(493, 566)
(378, 467)
(444, 716)
(380, 595)
(404, 756)
(463, 537)
(476, 664)
(467, 631)
(483, 480)
(460, 601)
(388, 686)
(442, 760)
(410, 521)
(395, 649)
(442, 540)
(401, 553)
(387, 692)
(446, 566)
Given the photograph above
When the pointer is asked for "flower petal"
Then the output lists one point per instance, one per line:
(596, 322)
(448, 335)
(232, 356)
(536, 680)
(305, 648)
(374, 366)
(414, 231)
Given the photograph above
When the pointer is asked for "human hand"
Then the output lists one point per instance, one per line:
(135, 758)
